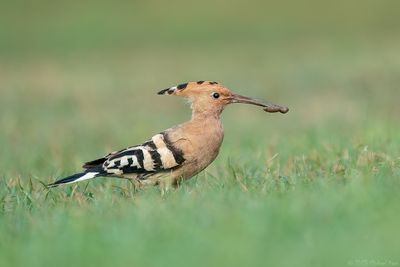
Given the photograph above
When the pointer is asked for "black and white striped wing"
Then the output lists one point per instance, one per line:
(154, 156)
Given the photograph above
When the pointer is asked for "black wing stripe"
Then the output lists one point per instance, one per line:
(124, 153)
(150, 144)
(94, 163)
(176, 152)
(140, 157)
(156, 157)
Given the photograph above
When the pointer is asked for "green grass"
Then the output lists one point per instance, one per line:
(318, 186)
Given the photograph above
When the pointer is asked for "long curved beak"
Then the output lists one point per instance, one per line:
(267, 106)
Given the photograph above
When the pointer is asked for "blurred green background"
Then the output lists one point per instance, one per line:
(315, 187)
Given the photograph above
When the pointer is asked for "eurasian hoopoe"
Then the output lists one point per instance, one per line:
(179, 152)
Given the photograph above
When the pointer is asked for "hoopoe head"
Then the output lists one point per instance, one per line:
(211, 97)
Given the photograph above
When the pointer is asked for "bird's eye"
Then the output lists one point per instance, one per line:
(215, 95)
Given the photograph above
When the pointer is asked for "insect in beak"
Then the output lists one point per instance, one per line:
(267, 106)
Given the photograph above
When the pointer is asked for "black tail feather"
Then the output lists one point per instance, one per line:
(68, 179)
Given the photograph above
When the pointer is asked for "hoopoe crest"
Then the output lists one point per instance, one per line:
(179, 152)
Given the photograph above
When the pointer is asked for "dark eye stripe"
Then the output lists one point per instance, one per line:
(200, 82)
(213, 83)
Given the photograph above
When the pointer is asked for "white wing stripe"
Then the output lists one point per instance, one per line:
(148, 163)
(167, 158)
(124, 161)
(158, 140)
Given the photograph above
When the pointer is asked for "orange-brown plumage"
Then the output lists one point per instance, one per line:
(179, 152)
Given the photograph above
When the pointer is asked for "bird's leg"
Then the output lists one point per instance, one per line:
(135, 184)
(165, 184)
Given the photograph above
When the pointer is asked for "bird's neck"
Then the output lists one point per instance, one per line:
(205, 113)
(208, 125)
(205, 116)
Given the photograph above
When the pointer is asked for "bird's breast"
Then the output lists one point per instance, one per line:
(200, 144)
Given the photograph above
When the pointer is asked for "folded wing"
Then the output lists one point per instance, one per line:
(156, 155)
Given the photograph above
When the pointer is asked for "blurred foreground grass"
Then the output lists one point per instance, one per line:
(315, 187)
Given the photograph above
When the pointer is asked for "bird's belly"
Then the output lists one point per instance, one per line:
(202, 155)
